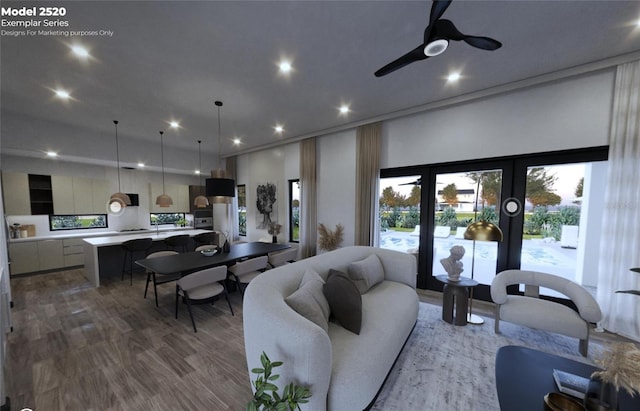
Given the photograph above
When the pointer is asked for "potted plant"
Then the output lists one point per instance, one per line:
(266, 397)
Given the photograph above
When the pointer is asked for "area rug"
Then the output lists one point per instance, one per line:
(447, 367)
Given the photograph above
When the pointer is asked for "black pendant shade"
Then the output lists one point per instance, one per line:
(220, 187)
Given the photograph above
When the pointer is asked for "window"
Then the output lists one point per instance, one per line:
(242, 210)
(77, 222)
(294, 211)
(167, 218)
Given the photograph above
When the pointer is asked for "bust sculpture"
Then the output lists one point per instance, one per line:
(452, 264)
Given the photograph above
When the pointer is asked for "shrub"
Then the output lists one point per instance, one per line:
(412, 219)
(448, 218)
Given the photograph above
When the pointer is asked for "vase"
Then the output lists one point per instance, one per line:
(600, 396)
(226, 247)
(274, 239)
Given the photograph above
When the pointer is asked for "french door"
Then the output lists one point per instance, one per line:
(546, 205)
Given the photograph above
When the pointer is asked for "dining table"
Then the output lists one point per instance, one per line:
(193, 261)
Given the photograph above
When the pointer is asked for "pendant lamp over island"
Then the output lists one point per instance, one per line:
(118, 200)
(200, 201)
(219, 186)
(163, 200)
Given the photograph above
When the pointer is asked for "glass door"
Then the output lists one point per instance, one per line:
(461, 199)
(399, 217)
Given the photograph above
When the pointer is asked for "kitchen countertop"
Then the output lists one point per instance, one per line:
(131, 235)
(110, 233)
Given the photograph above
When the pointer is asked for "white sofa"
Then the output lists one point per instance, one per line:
(343, 371)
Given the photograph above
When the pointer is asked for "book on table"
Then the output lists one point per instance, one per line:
(571, 384)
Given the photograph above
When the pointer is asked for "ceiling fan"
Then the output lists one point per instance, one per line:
(436, 40)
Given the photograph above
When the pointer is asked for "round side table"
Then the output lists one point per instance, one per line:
(455, 297)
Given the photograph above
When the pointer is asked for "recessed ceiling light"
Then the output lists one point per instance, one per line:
(197, 171)
(453, 77)
(80, 51)
(344, 109)
(237, 141)
(285, 66)
(278, 128)
(174, 124)
(63, 94)
(52, 154)
(141, 165)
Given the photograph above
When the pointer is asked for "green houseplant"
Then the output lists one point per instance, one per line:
(266, 397)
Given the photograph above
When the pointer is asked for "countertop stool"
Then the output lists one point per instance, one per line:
(131, 247)
(455, 297)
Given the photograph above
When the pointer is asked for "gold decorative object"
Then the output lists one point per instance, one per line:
(330, 240)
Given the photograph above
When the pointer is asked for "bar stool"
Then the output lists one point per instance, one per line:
(177, 242)
(206, 239)
(131, 247)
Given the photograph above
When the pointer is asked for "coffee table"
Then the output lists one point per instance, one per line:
(524, 377)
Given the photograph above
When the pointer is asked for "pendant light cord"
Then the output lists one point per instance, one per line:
(115, 122)
(219, 104)
(199, 163)
(162, 159)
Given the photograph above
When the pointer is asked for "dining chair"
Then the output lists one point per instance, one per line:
(245, 271)
(177, 242)
(132, 247)
(278, 258)
(202, 287)
(206, 239)
(158, 278)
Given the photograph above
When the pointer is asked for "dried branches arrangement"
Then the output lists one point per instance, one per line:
(330, 240)
(621, 367)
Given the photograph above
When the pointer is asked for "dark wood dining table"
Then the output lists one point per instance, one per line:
(189, 262)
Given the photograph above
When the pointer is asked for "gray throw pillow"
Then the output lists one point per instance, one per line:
(344, 300)
(309, 300)
(366, 273)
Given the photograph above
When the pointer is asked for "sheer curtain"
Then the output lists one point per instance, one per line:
(367, 172)
(231, 164)
(620, 244)
(308, 198)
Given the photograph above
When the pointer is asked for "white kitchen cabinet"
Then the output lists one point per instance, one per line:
(82, 195)
(50, 254)
(63, 196)
(79, 195)
(23, 257)
(73, 251)
(16, 193)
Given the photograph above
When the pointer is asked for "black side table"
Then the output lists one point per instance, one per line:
(455, 295)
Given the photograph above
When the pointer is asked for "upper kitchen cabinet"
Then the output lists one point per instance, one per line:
(179, 193)
(79, 195)
(16, 193)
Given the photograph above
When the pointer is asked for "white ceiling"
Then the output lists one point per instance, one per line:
(171, 59)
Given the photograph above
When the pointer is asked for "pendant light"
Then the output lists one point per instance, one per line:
(163, 200)
(118, 200)
(200, 201)
(221, 188)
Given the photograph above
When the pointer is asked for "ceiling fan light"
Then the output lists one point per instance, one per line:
(436, 47)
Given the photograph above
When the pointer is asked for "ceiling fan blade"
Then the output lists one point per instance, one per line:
(412, 56)
(438, 7)
(485, 43)
(448, 30)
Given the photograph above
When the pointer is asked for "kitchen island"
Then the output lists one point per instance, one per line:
(103, 256)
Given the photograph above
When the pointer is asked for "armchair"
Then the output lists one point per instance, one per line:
(531, 311)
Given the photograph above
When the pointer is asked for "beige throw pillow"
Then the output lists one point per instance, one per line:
(366, 273)
(309, 300)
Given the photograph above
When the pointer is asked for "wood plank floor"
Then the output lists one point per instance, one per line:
(75, 347)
